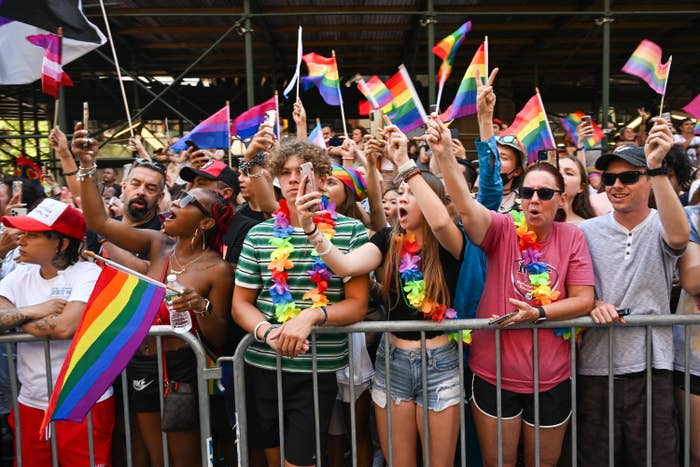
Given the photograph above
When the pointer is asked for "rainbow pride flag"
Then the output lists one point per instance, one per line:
(211, 133)
(323, 73)
(697, 127)
(408, 113)
(572, 121)
(117, 317)
(447, 48)
(532, 128)
(247, 123)
(645, 63)
(465, 100)
(377, 94)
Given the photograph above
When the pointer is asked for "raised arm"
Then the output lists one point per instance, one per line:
(119, 233)
(260, 187)
(374, 189)
(59, 143)
(673, 219)
(299, 116)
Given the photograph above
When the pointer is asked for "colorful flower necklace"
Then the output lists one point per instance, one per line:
(319, 275)
(414, 286)
(537, 270)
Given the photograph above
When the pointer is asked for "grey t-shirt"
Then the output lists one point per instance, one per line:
(633, 269)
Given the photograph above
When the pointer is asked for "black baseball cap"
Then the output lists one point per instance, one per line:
(630, 153)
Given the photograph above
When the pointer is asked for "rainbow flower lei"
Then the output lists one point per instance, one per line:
(538, 271)
(414, 286)
(319, 275)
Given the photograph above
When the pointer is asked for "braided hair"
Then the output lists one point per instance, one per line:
(222, 213)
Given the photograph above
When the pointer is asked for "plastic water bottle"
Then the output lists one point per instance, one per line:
(180, 321)
(60, 288)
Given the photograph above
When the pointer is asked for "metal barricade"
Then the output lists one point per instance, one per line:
(203, 375)
(647, 322)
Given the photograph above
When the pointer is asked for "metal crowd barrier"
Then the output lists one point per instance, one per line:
(423, 326)
(203, 374)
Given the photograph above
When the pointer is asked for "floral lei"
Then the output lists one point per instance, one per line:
(538, 271)
(414, 286)
(285, 306)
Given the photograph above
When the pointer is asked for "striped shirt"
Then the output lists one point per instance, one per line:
(252, 273)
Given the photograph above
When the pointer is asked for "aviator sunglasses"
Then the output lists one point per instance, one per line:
(184, 199)
(545, 194)
(626, 178)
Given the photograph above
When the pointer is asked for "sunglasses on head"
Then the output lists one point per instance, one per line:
(506, 139)
(626, 178)
(184, 199)
(545, 194)
(150, 164)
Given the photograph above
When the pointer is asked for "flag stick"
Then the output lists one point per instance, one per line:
(277, 117)
(439, 96)
(228, 126)
(298, 66)
(123, 268)
(486, 56)
(57, 100)
(167, 134)
(116, 64)
(663, 96)
(340, 97)
(546, 121)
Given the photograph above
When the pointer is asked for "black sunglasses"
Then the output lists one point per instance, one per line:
(626, 178)
(184, 199)
(545, 194)
(150, 164)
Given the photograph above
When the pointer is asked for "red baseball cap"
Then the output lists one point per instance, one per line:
(50, 215)
(213, 170)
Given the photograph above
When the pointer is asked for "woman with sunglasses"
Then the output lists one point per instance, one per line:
(190, 248)
(538, 270)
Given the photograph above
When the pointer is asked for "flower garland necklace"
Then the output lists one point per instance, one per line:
(414, 286)
(537, 270)
(319, 275)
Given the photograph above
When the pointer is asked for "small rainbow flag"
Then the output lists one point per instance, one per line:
(117, 317)
(572, 121)
(247, 123)
(323, 73)
(447, 48)
(697, 127)
(532, 128)
(645, 63)
(465, 100)
(211, 133)
(408, 113)
(377, 94)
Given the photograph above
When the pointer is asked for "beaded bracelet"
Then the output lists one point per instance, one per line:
(258, 159)
(84, 173)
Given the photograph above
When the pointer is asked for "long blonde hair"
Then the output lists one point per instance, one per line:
(436, 290)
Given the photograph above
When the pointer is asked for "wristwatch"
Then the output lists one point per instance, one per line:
(543, 315)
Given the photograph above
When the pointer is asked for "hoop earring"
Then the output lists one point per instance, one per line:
(204, 240)
(194, 235)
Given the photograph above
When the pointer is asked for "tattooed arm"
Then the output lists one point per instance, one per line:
(11, 316)
(58, 322)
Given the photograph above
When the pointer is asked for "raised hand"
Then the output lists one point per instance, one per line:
(396, 145)
(438, 136)
(485, 97)
(307, 204)
(263, 141)
(299, 113)
(200, 157)
(59, 142)
(83, 147)
(658, 143)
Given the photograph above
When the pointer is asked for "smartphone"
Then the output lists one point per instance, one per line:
(18, 211)
(623, 312)
(86, 119)
(17, 189)
(587, 120)
(308, 169)
(500, 319)
(271, 118)
(192, 144)
(543, 155)
(375, 123)
(666, 116)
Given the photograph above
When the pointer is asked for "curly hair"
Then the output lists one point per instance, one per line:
(306, 152)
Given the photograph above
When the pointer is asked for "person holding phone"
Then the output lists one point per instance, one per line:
(541, 270)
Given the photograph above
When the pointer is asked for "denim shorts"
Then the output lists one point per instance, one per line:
(442, 369)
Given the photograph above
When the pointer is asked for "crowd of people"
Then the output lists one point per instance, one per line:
(372, 227)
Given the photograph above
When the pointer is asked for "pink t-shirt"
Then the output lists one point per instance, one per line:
(567, 253)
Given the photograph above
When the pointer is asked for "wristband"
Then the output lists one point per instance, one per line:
(325, 315)
(315, 229)
(409, 164)
(70, 174)
(255, 331)
(267, 333)
(258, 159)
(655, 172)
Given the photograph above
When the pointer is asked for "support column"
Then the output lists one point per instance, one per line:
(605, 85)
(248, 37)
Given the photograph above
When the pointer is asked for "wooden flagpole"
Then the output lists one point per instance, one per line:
(663, 96)
(340, 96)
(57, 99)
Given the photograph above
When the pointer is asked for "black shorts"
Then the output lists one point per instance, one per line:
(679, 382)
(142, 375)
(555, 404)
(299, 426)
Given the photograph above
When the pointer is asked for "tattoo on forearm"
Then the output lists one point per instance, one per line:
(12, 318)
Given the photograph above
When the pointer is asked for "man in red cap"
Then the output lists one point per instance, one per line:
(50, 291)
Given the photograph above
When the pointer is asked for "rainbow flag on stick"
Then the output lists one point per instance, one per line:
(408, 113)
(323, 73)
(697, 127)
(572, 121)
(532, 128)
(117, 318)
(645, 63)
(377, 94)
(446, 49)
(465, 100)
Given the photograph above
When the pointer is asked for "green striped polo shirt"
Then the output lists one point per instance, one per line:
(252, 273)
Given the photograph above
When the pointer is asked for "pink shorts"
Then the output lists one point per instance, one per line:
(71, 437)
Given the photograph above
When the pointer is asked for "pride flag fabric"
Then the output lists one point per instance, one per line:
(447, 48)
(572, 121)
(377, 94)
(465, 100)
(117, 318)
(693, 107)
(316, 136)
(212, 133)
(247, 123)
(408, 113)
(645, 63)
(323, 73)
(532, 128)
(697, 127)
(52, 74)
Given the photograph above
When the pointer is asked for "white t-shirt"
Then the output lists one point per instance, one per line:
(24, 286)
(692, 150)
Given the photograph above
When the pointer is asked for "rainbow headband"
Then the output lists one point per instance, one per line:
(352, 179)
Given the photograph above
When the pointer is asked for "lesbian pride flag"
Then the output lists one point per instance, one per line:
(323, 73)
(117, 318)
(532, 128)
(408, 113)
(52, 74)
(212, 133)
(645, 63)
(247, 123)
(572, 121)
(465, 100)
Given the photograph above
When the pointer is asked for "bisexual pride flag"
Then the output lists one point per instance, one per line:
(247, 123)
(212, 133)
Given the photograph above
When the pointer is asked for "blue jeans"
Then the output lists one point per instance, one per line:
(5, 392)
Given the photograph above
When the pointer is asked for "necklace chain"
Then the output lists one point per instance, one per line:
(183, 268)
